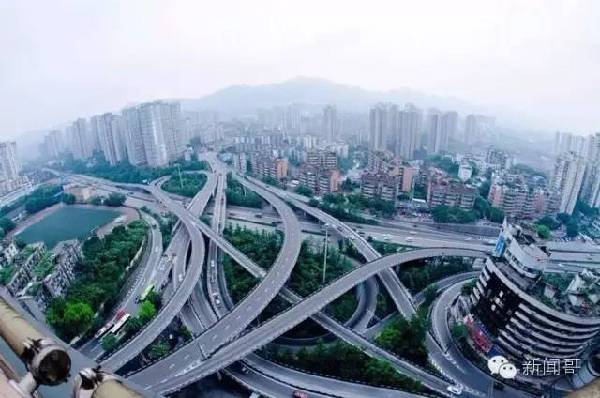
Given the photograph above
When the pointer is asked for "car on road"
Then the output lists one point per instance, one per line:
(299, 394)
(456, 390)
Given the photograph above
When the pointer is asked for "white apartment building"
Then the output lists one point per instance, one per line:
(134, 142)
(330, 125)
(410, 120)
(80, 142)
(437, 138)
(10, 167)
(567, 179)
(383, 124)
(111, 142)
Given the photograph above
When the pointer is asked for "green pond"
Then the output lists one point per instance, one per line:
(67, 223)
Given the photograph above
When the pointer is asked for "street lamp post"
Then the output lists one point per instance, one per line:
(325, 254)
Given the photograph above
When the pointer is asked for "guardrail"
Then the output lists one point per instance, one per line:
(48, 363)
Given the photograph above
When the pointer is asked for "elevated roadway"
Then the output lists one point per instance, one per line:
(169, 310)
(254, 339)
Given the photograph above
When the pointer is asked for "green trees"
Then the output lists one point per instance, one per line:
(482, 207)
(7, 224)
(158, 350)
(109, 342)
(572, 229)
(313, 202)
(468, 287)
(125, 172)
(303, 190)
(446, 214)
(98, 278)
(95, 200)
(6, 274)
(430, 293)
(348, 362)
(147, 311)
(550, 222)
(484, 189)
(543, 231)
(115, 200)
(385, 208)
(460, 332)
(237, 195)
(306, 277)
(445, 163)
(133, 325)
(348, 186)
(68, 198)
(70, 318)
(417, 275)
(44, 196)
(188, 185)
(261, 247)
(496, 214)
(586, 209)
(270, 181)
(406, 338)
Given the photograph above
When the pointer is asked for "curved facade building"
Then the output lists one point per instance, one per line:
(531, 314)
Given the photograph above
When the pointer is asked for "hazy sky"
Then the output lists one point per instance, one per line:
(64, 59)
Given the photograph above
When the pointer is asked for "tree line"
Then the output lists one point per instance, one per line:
(99, 277)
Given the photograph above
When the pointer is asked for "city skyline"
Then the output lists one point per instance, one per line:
(300, 199)
(531, 43)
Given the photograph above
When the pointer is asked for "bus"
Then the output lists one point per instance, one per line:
(119, 324)
(103, 330)
(146, 292)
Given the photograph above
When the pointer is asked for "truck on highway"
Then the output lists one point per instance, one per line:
(299, 394)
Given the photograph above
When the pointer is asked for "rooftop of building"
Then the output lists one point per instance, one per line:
(567, 293)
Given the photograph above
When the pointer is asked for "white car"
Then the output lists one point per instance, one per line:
(456, 390)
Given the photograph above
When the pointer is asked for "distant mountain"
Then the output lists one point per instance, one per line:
(245, 99)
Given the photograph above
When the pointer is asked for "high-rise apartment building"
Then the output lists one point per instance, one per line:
(567, 177)
(592, 147)
(569, 142)
(174, 141)
(409, 128)
(10, 167)
(383, 125)
(476, 127)
(152, 126)
(53, 144)
(437, 138)
(81, 145)
(111, 142)
(449, 125)
(525, 313)
(330, 124)
(471, 129)
(590, 187)
(134, 141)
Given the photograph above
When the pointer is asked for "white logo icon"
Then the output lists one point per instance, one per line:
(508, 371)
(500, 365)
